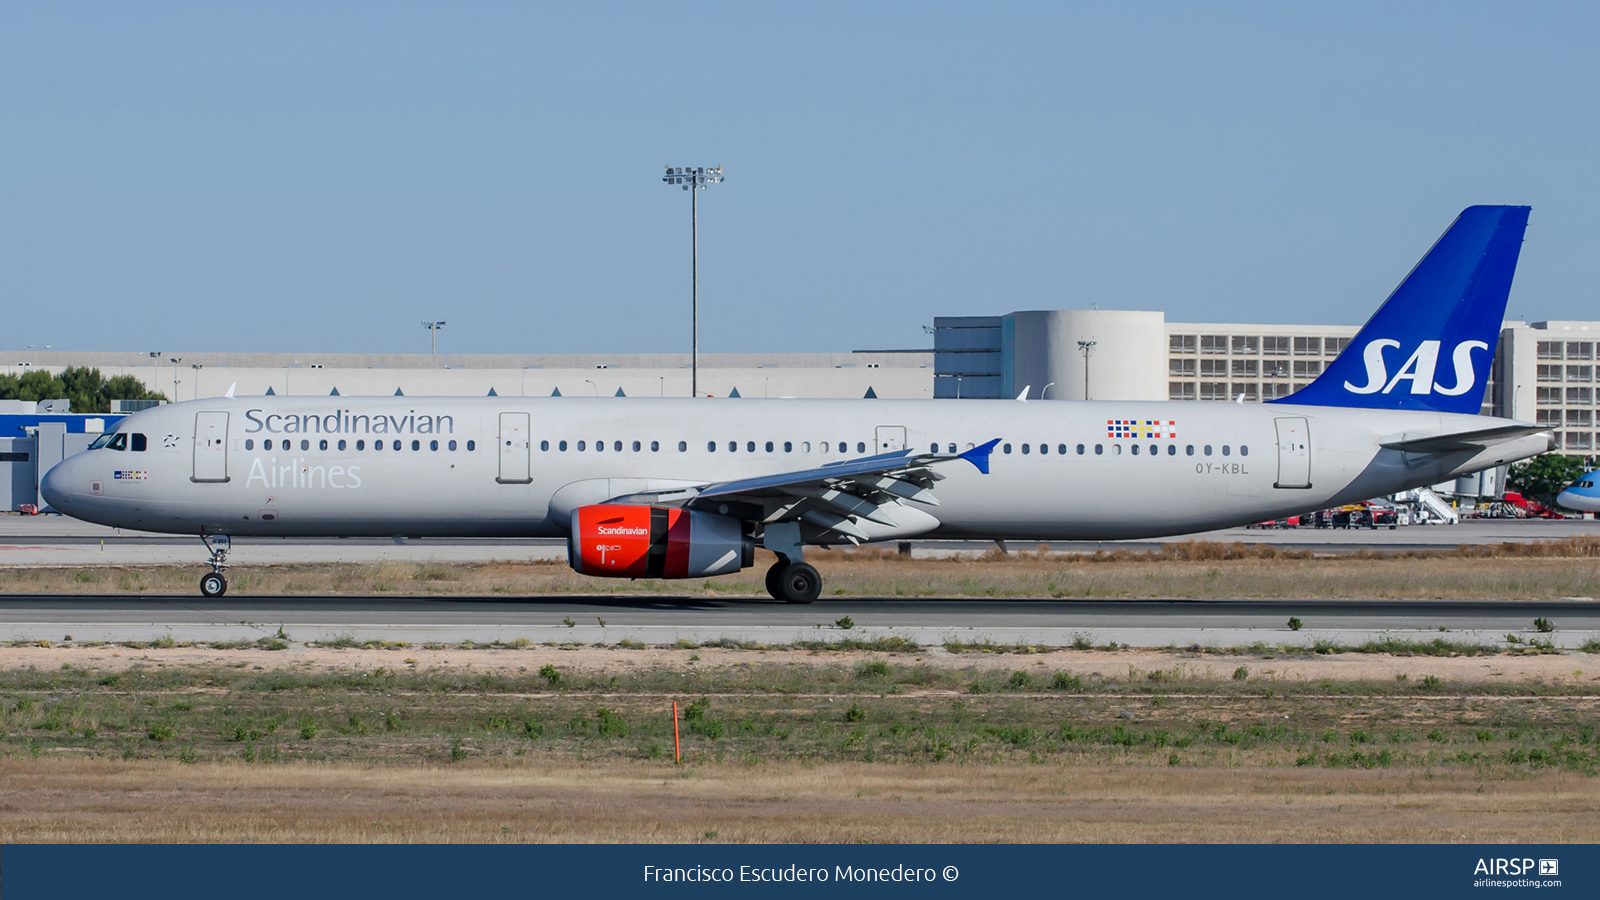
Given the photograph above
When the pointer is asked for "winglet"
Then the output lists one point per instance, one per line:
(979, 455)
(229, 394)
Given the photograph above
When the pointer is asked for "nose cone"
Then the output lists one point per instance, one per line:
(56, 486)
(1573, 500)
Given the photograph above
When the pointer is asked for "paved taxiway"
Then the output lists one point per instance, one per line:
(664, 620)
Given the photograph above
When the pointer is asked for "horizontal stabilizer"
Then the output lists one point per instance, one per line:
(1463, 440)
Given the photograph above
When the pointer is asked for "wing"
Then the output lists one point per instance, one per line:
(830, 498)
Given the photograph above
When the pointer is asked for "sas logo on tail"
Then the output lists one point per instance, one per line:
(1419, 369)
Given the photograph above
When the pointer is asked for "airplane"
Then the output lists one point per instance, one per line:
(1582, 495)
(687, 488)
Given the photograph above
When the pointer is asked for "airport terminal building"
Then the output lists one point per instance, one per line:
(1543, 372)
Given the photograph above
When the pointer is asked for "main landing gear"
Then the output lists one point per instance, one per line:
(213, 584)
(794, 582)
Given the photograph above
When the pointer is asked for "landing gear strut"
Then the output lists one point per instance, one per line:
(213, 584)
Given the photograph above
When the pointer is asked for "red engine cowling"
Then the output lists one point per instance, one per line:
(655, 542)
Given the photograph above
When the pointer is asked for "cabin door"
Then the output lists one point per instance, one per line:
(1294, 453)
(891, 438)
(210, 447)
(515, 449)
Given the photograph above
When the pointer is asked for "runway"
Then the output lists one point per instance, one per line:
(658, 620)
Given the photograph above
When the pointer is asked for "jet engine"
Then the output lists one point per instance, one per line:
(655, 542)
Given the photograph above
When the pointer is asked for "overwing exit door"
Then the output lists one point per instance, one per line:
(891, 438)
(515, 449)
(1294, 453)
(210, 447)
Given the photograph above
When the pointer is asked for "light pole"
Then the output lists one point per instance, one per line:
(1046, 390)
(694, 179)
(433, 336)
(1086, 347)
(175, 360)
(197, 367)
(593, 385)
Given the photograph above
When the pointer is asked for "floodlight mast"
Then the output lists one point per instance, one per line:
(694, 179)
(433, 336)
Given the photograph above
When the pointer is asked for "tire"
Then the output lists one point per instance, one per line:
(800, 583)
(773, 574)
(212, 584)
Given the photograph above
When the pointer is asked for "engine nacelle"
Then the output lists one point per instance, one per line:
(655, 542)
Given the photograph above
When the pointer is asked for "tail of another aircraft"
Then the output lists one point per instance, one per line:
(1429, 346)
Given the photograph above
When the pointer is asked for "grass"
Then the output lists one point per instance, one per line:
(798, 747)
(1187, 569)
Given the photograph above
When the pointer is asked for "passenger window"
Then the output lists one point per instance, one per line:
(1024, 449)
(861, 447)
(1189, 450)
(711, 446)
(636, 446)
(1225, 450)
(1006, 447)
(733, 446)
(1135, 449)
(599, 447)
(266, 444)
(342, 444)
(1116, 449)
(1208, 450)
(1062, 449)
(655, 446)
(1098, 449)
(562, 446)
(1044, 448)
(433, 445)
(472, 445)
(934, 449)
(1172, 449)
(1080, 449)
(952, 448)
(376, 445)
(1243, 450)
(788, 447)
(452, 445)
(543, 445)
(683, 446)
(582, 445)
(248, 444)
(805, 446)
(322, 444)
(361, 445)
(617, 446)
(305, 444)
(397, 445)
(139, 443)
(1155, 450)
(769, 446)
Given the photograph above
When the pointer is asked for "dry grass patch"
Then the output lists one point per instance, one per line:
(1187, 569)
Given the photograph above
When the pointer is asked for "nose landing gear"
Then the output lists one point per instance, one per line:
(213, 584)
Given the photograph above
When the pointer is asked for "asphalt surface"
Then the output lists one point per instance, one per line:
(663, 620)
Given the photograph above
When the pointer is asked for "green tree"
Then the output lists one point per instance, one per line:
(88, 390)
(1543, 477)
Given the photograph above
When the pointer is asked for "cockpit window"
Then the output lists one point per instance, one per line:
(119, 441)
(101, 441)
(139, 443)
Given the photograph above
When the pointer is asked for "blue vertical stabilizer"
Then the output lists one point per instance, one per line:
(1430, 345)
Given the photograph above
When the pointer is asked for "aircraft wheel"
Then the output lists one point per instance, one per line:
(800, 583)
(212, 584)
(773, 575)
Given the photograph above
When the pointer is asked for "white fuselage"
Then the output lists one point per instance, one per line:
(1210, 465)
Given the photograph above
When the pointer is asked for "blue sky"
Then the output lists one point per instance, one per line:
(323, 176)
